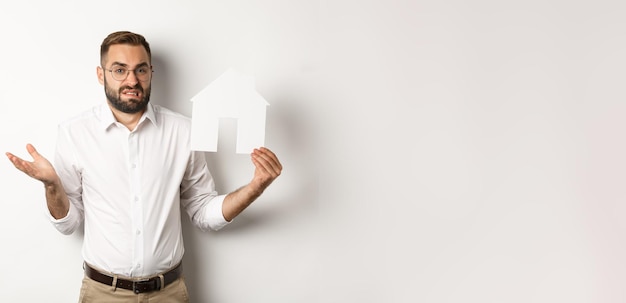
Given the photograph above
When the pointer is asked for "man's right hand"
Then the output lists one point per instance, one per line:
(40, 169)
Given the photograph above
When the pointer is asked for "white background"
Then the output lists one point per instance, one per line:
(434, 151)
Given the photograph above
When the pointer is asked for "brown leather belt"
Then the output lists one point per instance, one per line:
(137, 286)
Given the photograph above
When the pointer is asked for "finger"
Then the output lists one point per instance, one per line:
(268, 159)
(269, 163)
(263, 167)
(269, 156)
(13, 158)
(19, 163)
(266, 151)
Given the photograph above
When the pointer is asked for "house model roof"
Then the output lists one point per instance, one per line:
(231, 95)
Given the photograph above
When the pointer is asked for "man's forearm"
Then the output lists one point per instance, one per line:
(56, 198)
(237, 201)
(267, 168)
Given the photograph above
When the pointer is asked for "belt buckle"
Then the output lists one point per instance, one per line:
(148, 283)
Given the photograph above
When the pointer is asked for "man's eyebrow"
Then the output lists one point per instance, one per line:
(143, 64)
(120, 64)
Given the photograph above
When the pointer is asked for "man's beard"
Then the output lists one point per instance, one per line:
(131, 106)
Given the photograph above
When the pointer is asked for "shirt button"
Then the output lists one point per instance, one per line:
(138, 232)
(136, 198)
(134, 165)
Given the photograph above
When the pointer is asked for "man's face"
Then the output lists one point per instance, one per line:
(127, 92)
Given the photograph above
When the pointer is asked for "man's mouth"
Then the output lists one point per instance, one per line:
(131, 93)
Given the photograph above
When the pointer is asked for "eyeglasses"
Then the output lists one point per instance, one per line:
(121, 73)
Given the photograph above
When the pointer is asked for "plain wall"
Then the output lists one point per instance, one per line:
(433, 151)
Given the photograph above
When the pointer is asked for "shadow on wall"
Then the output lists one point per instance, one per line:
(163, 92)
(289, 134)
(290, 200)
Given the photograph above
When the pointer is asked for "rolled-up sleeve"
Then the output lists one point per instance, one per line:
(69, 172)
(68, 224)
(198, 195)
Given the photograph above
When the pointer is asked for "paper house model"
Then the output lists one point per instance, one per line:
(231, 95)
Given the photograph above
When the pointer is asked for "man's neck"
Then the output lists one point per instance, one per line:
(129, 120)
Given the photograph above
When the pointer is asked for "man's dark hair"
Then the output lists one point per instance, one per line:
(123, 37)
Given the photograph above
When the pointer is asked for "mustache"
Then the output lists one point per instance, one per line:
(136, 87)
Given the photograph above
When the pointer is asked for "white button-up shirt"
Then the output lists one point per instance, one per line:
(128, 188)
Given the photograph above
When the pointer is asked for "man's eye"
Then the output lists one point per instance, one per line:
(142, 70)
(119, 71)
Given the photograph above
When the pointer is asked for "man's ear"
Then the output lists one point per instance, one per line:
(100, 73)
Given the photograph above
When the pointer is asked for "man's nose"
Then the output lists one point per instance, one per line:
(132, 77)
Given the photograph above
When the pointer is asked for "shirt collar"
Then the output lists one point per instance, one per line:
(107, 119)
(149, 114)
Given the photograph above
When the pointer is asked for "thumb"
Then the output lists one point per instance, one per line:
(32, 151)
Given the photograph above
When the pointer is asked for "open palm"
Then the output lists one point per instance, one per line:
(40, 168)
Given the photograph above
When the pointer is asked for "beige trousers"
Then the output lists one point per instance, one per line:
(96, 292)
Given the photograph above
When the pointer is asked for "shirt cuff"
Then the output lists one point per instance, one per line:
(215, 215)
(67, 224)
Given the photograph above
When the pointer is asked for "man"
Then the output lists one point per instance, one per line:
(125, 169)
